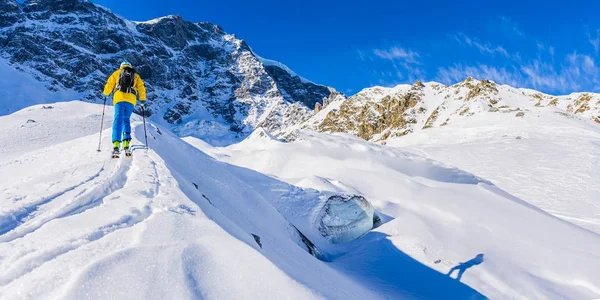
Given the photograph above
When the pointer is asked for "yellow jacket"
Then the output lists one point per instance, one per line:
(138, 86)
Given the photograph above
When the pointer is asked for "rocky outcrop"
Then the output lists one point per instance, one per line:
(482, 88)
(581, 104)
(10, 12)
(296, 89)
(368, 117)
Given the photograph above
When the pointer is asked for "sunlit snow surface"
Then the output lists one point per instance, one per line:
(176, 223)
(439, 215)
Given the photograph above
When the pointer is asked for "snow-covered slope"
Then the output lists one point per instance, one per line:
(545, 158)
(19, 90)
(173, 223)
(441, 216)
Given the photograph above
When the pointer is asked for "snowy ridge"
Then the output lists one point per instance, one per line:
(269, 62)
(156, 20)
(378, 113)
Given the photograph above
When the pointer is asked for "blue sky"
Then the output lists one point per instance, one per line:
(551, 46)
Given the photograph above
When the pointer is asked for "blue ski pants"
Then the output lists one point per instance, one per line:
(121, 129)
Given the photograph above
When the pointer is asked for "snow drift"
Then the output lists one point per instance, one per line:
(439, 215)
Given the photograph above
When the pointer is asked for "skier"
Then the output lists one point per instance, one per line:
(127, 86)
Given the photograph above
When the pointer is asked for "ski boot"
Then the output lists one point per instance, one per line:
(126, 148)
(116, 152)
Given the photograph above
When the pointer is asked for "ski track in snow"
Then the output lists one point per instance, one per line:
(78, 199)
(73, 200)
(103, 185)
(12, 219)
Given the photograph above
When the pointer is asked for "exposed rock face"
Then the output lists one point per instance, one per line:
(294, 89)
(192, 70)
(482, 88)
(372, 113)
(318, 107)
(581, 104)
(10, 12)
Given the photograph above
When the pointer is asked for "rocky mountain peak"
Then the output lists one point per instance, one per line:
(482, 88)
(469, 79)
(8, 3)
(173, 31)
(9, 12)
(56, 5)
(418, 84)
(334, 96)
(210, 27)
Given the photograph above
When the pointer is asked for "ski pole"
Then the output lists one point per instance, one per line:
(144, 120)
(101, 124)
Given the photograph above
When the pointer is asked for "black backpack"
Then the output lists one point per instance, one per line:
(126, 81)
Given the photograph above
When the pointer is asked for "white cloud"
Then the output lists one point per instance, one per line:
(577, 71)
(547, 69)
(595, 40)
(485, 48)
(544, 49)
(405, 63)
(361, 55)
(459, 72)
(510, 27)
(398, 53)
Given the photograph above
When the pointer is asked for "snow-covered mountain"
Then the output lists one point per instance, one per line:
(207, 83)
(201, 80)
(377, 114)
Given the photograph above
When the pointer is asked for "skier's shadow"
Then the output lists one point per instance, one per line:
(463, 266)
(375, 260)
